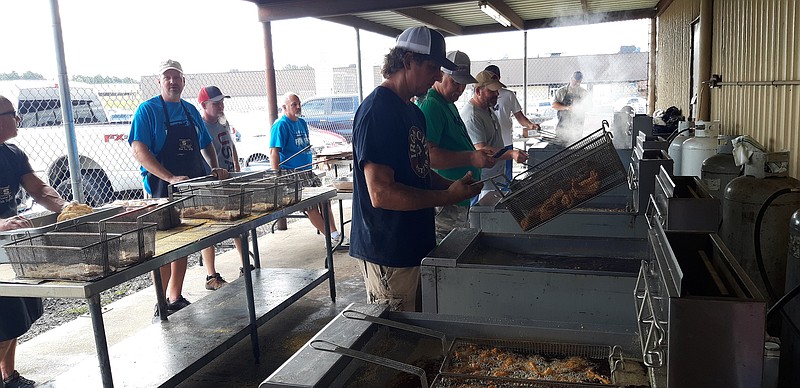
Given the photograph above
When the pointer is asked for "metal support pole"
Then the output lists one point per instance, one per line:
(272, 92)
(525, 73)
(251, 304)
(66, 106)
(326, 210)
(651, 82)
(256, 256)
(100, 343)
(359, 70)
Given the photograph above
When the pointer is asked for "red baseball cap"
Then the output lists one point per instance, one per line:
(210, 93)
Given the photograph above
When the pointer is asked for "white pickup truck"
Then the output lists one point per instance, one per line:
(107, 165)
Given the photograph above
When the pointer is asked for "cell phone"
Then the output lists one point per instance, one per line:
(499, 153)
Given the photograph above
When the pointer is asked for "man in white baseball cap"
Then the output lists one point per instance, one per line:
(394, 189)
(451, 150)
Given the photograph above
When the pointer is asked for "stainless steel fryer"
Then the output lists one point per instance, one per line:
(336, 370)
(573, 279)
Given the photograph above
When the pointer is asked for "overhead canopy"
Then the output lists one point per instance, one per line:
(458, 17)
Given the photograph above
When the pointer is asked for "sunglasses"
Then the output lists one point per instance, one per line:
(11, 113)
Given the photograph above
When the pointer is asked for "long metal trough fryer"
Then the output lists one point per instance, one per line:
(554, 278)
(310, 367)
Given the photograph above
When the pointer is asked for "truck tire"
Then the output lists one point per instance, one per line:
(97, 189)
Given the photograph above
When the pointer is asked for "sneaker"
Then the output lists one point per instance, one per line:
(17, 381)
(178, 304)
(215, 282)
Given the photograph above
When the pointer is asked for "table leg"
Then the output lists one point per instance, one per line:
(329, 248)
(100, 343)
(251, 305)
(256, 257)
(160, 298)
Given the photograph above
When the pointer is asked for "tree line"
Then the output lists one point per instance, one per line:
(95, 79)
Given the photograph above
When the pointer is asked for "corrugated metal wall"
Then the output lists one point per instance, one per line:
(753, 40)
(756, 40)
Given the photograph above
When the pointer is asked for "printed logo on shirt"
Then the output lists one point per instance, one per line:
(418, 152)
(185, 145)
(5, 194)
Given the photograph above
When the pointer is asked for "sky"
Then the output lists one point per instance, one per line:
(129, 38)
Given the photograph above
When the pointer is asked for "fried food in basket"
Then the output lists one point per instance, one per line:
(579, 189)
(486, 360)
(74, 210)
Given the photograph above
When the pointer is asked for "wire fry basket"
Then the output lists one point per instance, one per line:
(528, 361)
(273, 191)
(580, 172)
(137, 239)
(65, 256)
(217, 203)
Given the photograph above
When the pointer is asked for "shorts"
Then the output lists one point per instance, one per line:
(309, 178)
(398, 287)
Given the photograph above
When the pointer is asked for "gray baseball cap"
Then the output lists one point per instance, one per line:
(461, 73)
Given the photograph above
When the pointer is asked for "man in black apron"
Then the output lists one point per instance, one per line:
(17, 314)
(170, 140)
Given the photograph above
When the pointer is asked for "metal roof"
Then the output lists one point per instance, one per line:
(458, 17)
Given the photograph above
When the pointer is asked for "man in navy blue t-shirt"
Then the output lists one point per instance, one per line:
(394, 189)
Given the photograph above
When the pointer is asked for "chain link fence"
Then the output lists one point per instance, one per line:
(102, 112)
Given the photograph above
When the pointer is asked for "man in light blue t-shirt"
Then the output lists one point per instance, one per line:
(289, 136)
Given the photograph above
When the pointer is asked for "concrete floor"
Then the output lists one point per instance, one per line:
(52, 353)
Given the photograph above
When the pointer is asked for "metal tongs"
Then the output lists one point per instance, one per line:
(353, 314)
(327, 346)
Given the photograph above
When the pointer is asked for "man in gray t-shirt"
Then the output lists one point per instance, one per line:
(212, 102)
(484, 129)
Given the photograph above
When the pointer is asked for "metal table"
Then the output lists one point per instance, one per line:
(172, 245)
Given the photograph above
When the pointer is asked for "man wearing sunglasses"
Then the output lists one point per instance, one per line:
(17, 314)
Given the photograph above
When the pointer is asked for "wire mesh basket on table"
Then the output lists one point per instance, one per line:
(526, 360)
(574, 175)
(137, 239)
(272, 192)
(65, 256)
(164, 215)
(216, 203)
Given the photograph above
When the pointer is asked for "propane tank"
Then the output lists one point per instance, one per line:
(790, 340)
(720, 169)
(695, 150)
(742, 201)
(685, 131)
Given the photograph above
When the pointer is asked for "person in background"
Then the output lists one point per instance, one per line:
(508, 107)
(569, 103)
(290, 136)
(451, 151)
(394, 189)
(212, 102)
(17, 314)
(170, 141)
(483, 127)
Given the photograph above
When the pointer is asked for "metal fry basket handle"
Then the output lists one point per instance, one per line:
(327, 346)
(353, 314)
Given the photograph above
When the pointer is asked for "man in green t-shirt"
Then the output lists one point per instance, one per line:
(451, 151)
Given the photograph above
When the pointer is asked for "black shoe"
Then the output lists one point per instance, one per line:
(17, 381)
(215, 282)
(178, 304)
(241, 270)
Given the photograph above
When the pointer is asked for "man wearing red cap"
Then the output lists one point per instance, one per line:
(212, 102)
